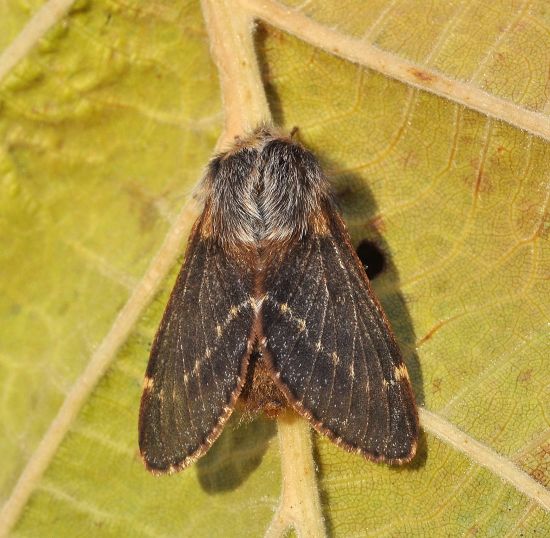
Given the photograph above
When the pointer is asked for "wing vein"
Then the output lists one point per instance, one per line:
(319, 347)
(197, 363)
(210, 314)
(344, 319)
(289, 354)
(380, 369)
(179, 341)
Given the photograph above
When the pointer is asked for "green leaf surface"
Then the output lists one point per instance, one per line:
(106, 125)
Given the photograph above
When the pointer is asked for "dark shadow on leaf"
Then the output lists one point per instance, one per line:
(236, 454)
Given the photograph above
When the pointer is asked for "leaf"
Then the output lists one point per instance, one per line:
(433, 127)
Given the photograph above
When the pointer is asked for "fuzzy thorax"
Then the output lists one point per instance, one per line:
(265, 188)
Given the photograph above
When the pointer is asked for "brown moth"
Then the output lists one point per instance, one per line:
(273, 309)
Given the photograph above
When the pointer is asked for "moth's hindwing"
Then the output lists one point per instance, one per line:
(198, 359)
(331, 348)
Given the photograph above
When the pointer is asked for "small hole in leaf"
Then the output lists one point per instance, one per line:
(371, 257)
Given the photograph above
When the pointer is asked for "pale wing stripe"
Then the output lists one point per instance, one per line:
(404, 404)
(332, 327)
(297, 286)
(290, 353)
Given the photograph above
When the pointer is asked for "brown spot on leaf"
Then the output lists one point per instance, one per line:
(409, 160)
(524, 377)
(377, 223)
(436, 384)
(431, 332)
(478, 180)
(421, 75)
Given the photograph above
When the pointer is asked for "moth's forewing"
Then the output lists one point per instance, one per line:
(198, 358)
(331, 349)
(270, 264)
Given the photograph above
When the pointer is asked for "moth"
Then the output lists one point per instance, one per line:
(272, 309)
